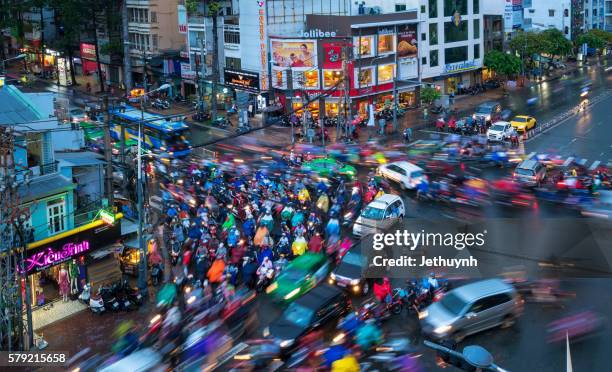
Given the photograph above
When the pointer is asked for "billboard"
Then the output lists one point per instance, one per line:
(333, 55)
(242, 80)
(513, 15)
(182, 19)
(294, 53)
(407, 42)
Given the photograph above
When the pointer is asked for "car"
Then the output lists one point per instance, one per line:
(77, 115)
(299, 277)
(328, 167)
(492, 84)
(500, 131)
(405, 173)
(379, 215)
(320, 307)
(487, 110)
(470, 309)
(349, 272)
(523, 123)
(530, 172)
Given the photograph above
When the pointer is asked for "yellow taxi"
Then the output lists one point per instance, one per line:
(523, 123)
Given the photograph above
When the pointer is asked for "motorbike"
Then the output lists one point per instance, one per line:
(243, 129)
(133, 294)
(221, 122)
(105, 300)
(85, 294)
(160, 104)
(124, 302)
(380, 311)
(265, 280)
(179, 98)
(175, 253)
(201, 116)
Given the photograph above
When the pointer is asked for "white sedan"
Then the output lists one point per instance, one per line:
(406, 174)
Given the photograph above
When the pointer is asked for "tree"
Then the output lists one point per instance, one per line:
(555, 43)
(503, 64)
(429, 94)
(606, 36)
(526, 44)
(591, 39)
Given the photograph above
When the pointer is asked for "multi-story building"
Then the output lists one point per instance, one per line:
(451, 39)
(154, 39)
(564, 15)
(597, 14)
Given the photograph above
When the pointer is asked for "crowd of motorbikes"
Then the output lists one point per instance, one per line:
(118, 296)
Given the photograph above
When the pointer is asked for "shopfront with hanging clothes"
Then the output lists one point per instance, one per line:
(58, 267)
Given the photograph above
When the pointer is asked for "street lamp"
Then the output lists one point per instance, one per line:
(142, 269)
(20, 56)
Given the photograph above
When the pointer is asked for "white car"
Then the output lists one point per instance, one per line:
(406, 174)
(500, 131)
(380, 214)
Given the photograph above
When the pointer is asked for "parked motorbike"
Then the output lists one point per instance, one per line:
(85, 294)
(221, 122)
(124, 302)
(160, 104)
(105, 300)
(201, 116)
(175, 253)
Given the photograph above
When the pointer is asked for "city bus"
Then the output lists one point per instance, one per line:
(167, 137)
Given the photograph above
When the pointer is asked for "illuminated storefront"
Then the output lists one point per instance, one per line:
(407, 99)
(332, 77)
(306, 79)
(332, 107)
(313, 107)
(386, 73)
(64, 259)
(364, 46)
(386, 44)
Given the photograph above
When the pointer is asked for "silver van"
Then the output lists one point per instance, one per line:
(472, 308)
(530, 172)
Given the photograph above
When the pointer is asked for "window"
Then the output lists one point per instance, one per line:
(433, 34)
(476, 28)
(364, 46)
(458, 54)
(490, 302)
(386, 73)
(332, 77)
(551, 12)
(231, 62)
(154, 41)
(400, 7)
(566, 30)
(476, 51)
(452, 6)
(423, 36)
(531, 11)
(476, 6)
(364, 76)
(306, 79)
(433, 58)
(454, 33)
(422, 8)
(566, 12)
(279, 77)
(56, 216)
(423, 60)
(386, 44)
(433, 9)
(586, 12)
(153, 17)
(231, 37)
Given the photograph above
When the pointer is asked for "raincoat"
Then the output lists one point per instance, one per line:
(323, 203)
(216, 271)
(303, 195)
(230, 222)
(367, 336)
(346, 364)
(299, 246)
(260, 236)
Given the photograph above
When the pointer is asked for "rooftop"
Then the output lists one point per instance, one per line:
(16, 107)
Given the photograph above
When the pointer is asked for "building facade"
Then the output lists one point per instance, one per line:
(597, 14)
(564, 15)
(452, 49)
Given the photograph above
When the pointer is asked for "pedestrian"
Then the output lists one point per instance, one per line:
(381, 125)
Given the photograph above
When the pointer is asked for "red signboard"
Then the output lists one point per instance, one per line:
(333, 56)
(88, 51)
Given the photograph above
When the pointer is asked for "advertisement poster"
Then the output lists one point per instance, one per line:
(182, 19)
(333, 55)
(242, 80)
(407, 44)
(294, 53)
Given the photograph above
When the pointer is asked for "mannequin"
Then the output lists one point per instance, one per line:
(64, 283)
(73, 271)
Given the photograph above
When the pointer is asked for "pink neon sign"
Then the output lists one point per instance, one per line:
(49, 257)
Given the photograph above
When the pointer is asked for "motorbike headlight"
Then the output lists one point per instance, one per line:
(332, 276)
(354, 281)
(348, 215)
(266, 332)
(488, 117)
(443, 329)
(272, 287)
(286, 343)
(423, 314)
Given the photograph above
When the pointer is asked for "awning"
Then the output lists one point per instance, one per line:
(79, 159)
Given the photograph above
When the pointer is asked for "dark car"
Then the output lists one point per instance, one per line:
(321, 306)
(349, 273)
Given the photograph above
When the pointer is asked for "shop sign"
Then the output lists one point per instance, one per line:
(72, 246)
(333, 56)
(50, 257)
(107, 217)
(262, 45)
(182, 19)
(186, 71)
(242, 80)
(407, 41)
(318, 33)
(460, 66)
(88, 51)
(385, 31)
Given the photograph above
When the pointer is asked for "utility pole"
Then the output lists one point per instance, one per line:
(142, 265)
(15, 333)
(107, 154)
(214, 11)
(290, 85)
(347, 90)
(202, 74)
(395, 69)
(125, 35)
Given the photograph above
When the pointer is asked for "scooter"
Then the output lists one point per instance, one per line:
(104, 301)
(161, 104)
(175, 253)
(156, 274)
(265, 280)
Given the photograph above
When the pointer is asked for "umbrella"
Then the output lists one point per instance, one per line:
(166, 295)
(333, 354)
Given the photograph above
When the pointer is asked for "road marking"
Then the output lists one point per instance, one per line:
(574, 140)
(594, 165)
(582, 162)
(568, 161)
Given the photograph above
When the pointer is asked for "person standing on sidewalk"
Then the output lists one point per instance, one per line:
(381, 125)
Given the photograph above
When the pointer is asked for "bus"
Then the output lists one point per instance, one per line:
(161, 135)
